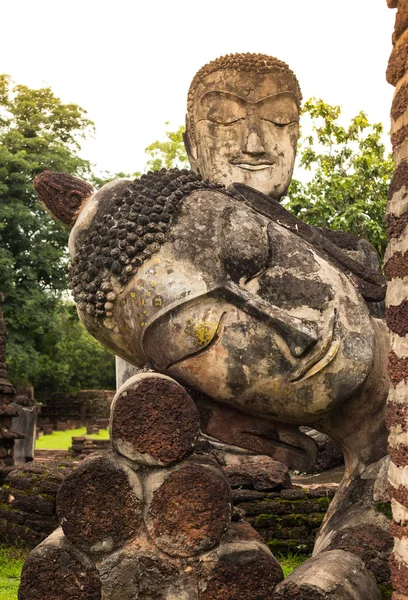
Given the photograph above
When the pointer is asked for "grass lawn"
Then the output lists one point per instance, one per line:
(290, 562)
(61, 440)
(11, 563)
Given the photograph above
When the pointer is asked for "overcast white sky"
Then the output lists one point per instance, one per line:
(129, 63)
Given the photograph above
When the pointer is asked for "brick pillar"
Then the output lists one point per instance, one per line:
(7, 409)
(396, 269)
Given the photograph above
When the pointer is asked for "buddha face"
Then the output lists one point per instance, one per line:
(246, 126)
(243, 310)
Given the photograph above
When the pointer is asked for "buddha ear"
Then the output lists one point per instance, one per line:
(190, 147)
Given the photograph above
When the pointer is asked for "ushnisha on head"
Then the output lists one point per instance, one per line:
(242, 122)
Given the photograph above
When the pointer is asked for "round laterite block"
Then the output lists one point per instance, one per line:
(154, 421)
(189, 509)
(99, 505)
(55, 570)
(240, 570)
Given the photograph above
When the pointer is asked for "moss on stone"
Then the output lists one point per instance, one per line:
(290, 546)
(384, 508)
(324, 501)
(294, 520)
(265, 520)
(386, 590)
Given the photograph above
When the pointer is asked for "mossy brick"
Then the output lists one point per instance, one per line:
(291, 546)
(288, 533)
(11, 515)
(264, 520)
(239, 495)
(285, 507)
(45, 526)
(386, 591)
(294, 520)
(323, 491)
(296, 493)
(315, 519)
(31, 503)
(20, 535)
(20, 483)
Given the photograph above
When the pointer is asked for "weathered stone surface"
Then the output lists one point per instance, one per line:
(400, 102)
(154, 421)
(397, 318)
(399, 179)
(397, 367)
(401, 20)
(189, 509)
(329, 454)
(240, 531)
(55, 570)
(259, 473)
(138, 571)
(399, 137)
(239, 570)
(335, 575)
(397, 63)
(100, 504)
(399, 455)
(397, 265)
(282, 442)
(372, 544)
(399, 575)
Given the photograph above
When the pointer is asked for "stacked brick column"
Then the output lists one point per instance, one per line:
(7, 410)
(396, 268)
(152, 518)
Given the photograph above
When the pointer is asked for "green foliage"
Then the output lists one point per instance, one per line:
(352, 172)
(168, 154)
(37, 132)
(62, 355)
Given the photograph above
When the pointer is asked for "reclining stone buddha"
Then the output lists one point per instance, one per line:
(262, 319)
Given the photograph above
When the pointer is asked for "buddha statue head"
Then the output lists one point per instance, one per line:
(242, 122)
(201, 283)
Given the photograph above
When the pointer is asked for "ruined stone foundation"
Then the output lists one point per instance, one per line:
(152, 518)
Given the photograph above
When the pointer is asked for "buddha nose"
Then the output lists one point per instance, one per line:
(254, 143)
(299, 334)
